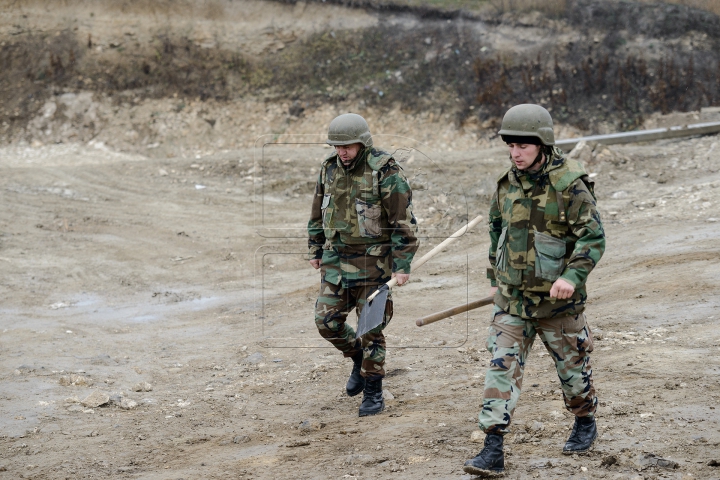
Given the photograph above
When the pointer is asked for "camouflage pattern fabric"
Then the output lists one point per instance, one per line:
(362, 227)
(543, 227)
(331, 311)
(568, 340)
(361, 222)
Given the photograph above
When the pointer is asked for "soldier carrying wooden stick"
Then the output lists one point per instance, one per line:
(545, 238)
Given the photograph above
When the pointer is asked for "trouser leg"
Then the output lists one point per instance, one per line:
(373, 342)
(569, 342)
(510, 339)
(331, 311)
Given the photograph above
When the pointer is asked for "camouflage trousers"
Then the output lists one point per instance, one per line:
(567, 339)
(331, 310)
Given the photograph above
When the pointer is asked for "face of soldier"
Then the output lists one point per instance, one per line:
(523, 155)
(347, 153)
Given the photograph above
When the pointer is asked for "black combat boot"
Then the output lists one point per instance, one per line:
(490, 462)
(372, 402)
(583, 435)
(356, 382)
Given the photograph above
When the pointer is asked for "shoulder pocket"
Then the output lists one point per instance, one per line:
(549, 256)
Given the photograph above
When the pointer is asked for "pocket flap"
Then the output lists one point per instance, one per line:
(550, 246)
(367, 210)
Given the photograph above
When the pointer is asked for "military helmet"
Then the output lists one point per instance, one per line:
(347, 129)
(528, 120)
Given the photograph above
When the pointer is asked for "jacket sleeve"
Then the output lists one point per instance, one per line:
(396, 200)
(585, 224)
(316, 234)
(495, 229)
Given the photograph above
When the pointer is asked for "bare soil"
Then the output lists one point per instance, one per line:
(188, 274)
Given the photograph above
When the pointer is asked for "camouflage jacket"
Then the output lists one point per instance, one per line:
(543, 227)
(361, 223)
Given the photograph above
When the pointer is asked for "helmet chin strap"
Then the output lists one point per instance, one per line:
(537, 159)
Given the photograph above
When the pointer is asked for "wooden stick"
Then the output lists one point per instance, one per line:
(453, 311)
(419, 262)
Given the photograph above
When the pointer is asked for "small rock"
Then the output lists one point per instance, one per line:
(255, 358)
(537, 426)
(162, 172)
(714, 463)
(310, 425)
(3, 468)
(651, 460)
(128, 404)
(387, 395)
(24, 370)
(597, 334)
(624, 409)
(477, 436)
(96, 399)
(81, 381)
(608, 461)
(582, 152)
(142, 387)
(78, 380)
(543, 463)
(298, 443)
(241, 439)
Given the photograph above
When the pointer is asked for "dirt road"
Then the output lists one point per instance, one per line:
(175, 291)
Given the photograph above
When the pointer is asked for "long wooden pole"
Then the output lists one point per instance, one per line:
(419, 262)
(453, 311)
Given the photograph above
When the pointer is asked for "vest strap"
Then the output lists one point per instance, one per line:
(561, 206)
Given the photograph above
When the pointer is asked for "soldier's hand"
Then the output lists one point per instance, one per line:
(561, 289)
(402, 278)
(316, 263)
(492, 291)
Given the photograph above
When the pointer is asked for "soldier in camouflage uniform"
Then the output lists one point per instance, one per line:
(361, 234)
(545, 238)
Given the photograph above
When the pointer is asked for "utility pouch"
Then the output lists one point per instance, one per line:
(368, 216)
(549, 256)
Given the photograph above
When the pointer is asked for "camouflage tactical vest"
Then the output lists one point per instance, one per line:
(536, 240)
(351, 206)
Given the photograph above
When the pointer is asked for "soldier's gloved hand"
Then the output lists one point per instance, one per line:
(561, 289)
(402, 278)
(316, 263)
